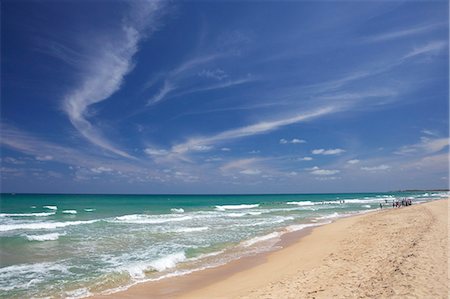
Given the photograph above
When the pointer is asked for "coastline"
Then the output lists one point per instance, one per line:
(343, 258)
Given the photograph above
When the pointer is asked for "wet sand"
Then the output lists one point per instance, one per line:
(395, 253)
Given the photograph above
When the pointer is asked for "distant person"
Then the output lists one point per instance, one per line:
(381, 206)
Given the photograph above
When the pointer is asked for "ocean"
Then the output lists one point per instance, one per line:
(73, 246)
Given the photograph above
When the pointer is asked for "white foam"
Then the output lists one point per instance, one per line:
(190, 229)
(243, 214)
(43, 214)
(300, 203)
(206, 255)
(175, 210)
(334, 215)
(297, 227)
(89, 210)
(33, 207)
(51, 207)
(69, 212)
(168, 261)
(236, 207)
(150, 219)
(366, 206)
(255, 240)
(366, 200)
(42, 225)
(78, 293)
(46, 237)
(27, 275)
(268, 222)
(138, 270)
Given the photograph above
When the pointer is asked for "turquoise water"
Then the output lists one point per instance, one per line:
(61, 246)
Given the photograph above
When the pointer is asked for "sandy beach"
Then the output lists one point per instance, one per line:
(395, 253)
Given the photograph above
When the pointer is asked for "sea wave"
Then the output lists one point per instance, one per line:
(150, 219)
(189, 229)
(250, 242)
(43, 214)
(242, 214)
(51, 207)
(236, 207)
(301, 203)
(42, 225)
(78, 293)
(330, 216)
(69, 212)
(138, 270)
(176, 210)
(28, 275)
(46, 237)
(297, 227)
(275, 220)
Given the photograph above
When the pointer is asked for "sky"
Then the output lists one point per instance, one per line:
(224, 97)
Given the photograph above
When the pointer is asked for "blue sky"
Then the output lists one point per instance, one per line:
(224, 97)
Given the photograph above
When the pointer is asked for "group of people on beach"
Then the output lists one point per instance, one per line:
(397, 204)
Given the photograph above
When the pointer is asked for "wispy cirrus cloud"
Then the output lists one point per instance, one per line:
(104, 71)
(250, 130)
(45, 151)
(292, 141)
(427, 145)
(381, 167)
(333, 151)
(431, 48)
(323, 172)
(387, 36)
(184, 79)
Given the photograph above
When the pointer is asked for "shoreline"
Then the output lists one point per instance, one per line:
(173, 287)
(240, 276)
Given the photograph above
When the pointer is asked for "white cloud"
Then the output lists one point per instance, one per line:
(12, 160)
(156, 152)
(335, 151)
(213, 159)
(101, 169)
(44, 158)
(431, 48)
(255, 129)
(162, 93)
(376, 168)
(354, 161)
(250, 171)
(305, 159)
(86, 158)
(426, 145)
(217, 74)
(225, 149)
(293, 141)
(323, 172)
(327, 178)
(429, 132)
(104, 73)
(402, 33)
(201, 148)
(239, 164)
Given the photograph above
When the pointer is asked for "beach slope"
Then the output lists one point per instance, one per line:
(397, 253)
